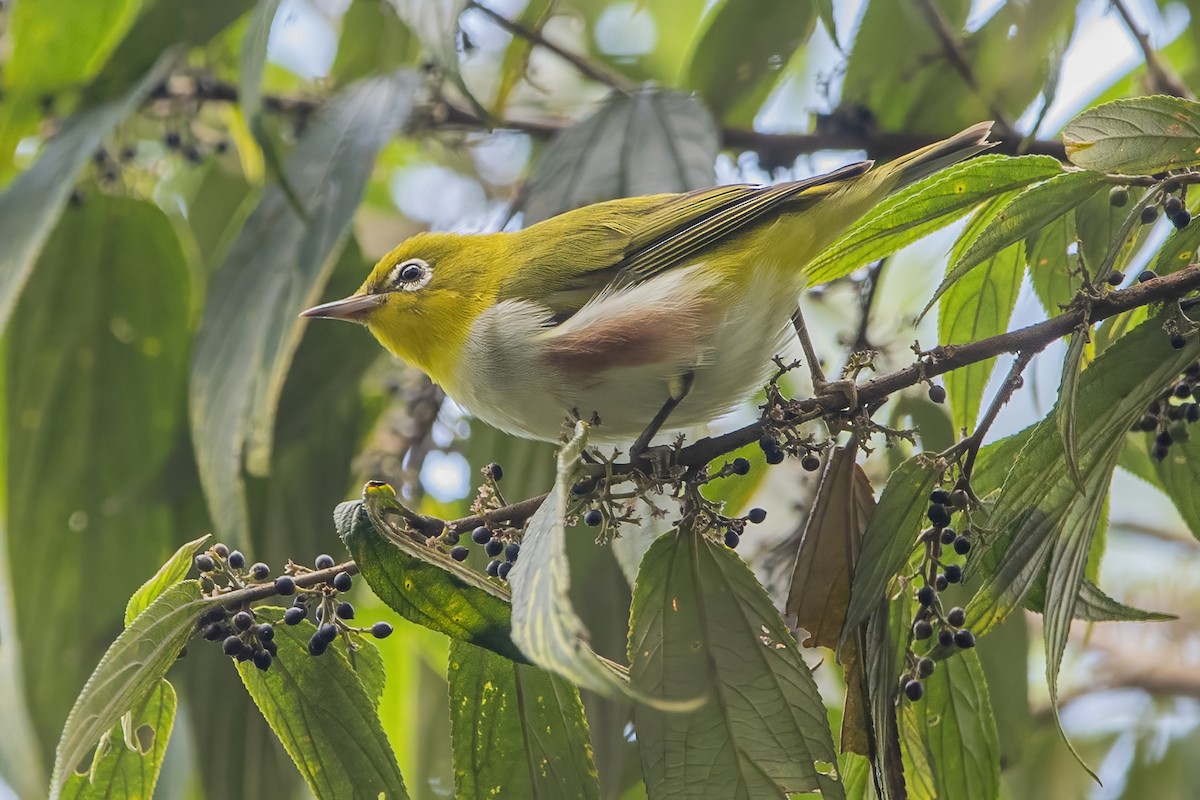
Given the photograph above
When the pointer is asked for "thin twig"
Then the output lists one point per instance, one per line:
(1162, 78)
(953, 49)
(1012, 382)
(589, 69)
(870, 289)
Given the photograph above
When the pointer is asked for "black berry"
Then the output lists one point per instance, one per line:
(1163, 438)
(324, 561)
(964, 639)
(284, 585)
(243, 620)
(1149, 214)
(1147, 423)
(810, 463)
(327, 632)
(939, 496)
(493, 568)
(938, 515)
(342, 581)
(503, 570)
(345, 611)
(204, 563)
(945, 637)
(1172, 206)
(940, 582)
(1146, 275)
(926, 595)
(493, 548)
(1159, 452)
(1115, 277)
(948, 535)
(956, 616)
(481, 535)
(172, 139)
(221, 550)
(381, 630)
(953, 573)
(732, 540)
(593, 517)
(960, 499)
(294, 616)
(925, 667)
(922, 629)
(232, 646)
(741, 466)
(459, 553)
(756, 515)
(262, 660)
(1118, 196)
(774, 457)
(494, 471)
(1178, 341)
(237, 560)
(1182, 219)
(937, 393)
(260, 571)
(914, 691)
(962, 545)
(511, 551)
(1191, 412)
(316, 645)
(214, 631)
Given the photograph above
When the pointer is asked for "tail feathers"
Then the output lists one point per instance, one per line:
(922, 163)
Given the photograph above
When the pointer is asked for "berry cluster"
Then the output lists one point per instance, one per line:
(501, 545)
(930, 622)
(1169, 413)
(1171, 199)
(776, 452)
(234, 624)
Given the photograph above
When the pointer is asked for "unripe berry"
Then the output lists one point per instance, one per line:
(1118, 196)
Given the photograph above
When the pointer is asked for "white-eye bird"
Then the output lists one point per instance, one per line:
(644, 310)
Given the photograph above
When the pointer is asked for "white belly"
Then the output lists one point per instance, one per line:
(506, 380)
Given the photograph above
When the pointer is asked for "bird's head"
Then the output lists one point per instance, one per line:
(421, 299)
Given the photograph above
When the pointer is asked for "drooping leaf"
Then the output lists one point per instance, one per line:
(278, 266)
(889, 539)
(960, 732)
(517, 730)
(1028, 212)
(977, 306)
(170, 573)
(130, 669)
(1136, 136)
(649, 142)
(925, 207)
(884, 644)
(1068, 388)
(324, 716)
(1050, 264)
(1093, 605)
(820, 587)
(83, 446)
(1037, 503)
(742, 52)
(1178, 474)
(703, 626)
(516, 56)
(421, 583)
(127, 764)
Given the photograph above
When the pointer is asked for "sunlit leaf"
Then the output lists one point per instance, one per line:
(1179, 251)
(130, 669)
(742, 52)
(1138, 135)
(702, 626)
(517, 730)
(927, 206)
(324, 716)
(649, 142)
(421, 583)
(279, 266)
(820, 587)
(172, 572)
(129, 769)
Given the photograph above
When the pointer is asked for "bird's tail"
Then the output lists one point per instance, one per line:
(922, 163)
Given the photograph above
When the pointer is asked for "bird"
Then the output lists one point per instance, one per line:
(660, 312)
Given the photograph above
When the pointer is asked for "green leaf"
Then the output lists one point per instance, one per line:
(1050, 264)
(975, 307)
(956, 718)
(544, 624)
(278, 266)
(374, 40)
(130, 669)
(884, 645)
(325, 718)
(1136, 136)
(1178, 251)
(128, 761)
(1068, 388)
(890, 538)
(1105, 242)
(1028, 212)
(516, 56)
(517, 731)
(32, 204)
(703, 626)
(172, 572)
(651, 141)
(1093, 605)
(421, 583)
(1178, 474)
(742, 52)
(84, 448)
(927, 206)
(1036, 502)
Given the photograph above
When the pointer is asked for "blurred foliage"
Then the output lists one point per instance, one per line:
(180, 177)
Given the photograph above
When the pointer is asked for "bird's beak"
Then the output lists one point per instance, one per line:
(354, 308)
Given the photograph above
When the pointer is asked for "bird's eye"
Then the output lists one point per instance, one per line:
(411, 275)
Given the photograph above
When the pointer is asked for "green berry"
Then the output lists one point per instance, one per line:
(1118, 196)
(756, 515)
(956, 616)
(342, 581)
(381, 630)
(324, 561)
(459, 553)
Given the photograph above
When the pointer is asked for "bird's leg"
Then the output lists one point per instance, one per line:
(677, 389)
(846, 387)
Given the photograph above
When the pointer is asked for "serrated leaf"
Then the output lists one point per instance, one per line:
(1036, 501)
(130, 669)
(703, 626)
(421, 583)
(955, 717)
(172, 572)
(517, 731)
(885, 643)
(1068, 388)
(324, 716)
(820, 588)
(734, 79)
(975, 307)
(651, 141)
(1049, 264)
(1028, 212)
(889, 539)
(129, 769)
(278, 266)
(1136, 136)
(927, 206)
(1178, 475)
(545, 626)
(1178, 252)
(1093, 605)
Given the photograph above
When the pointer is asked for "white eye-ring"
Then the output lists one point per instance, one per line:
(410, 275)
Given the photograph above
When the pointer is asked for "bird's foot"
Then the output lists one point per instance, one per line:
(846, 387)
